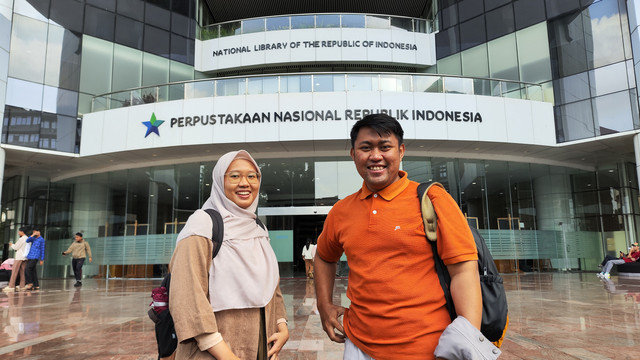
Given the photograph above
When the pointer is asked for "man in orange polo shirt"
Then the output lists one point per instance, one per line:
(397, 306)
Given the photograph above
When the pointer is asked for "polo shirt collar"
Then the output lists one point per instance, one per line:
(390, 191)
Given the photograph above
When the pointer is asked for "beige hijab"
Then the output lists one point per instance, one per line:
(244, 274)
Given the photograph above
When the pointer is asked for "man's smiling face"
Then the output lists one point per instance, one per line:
(377, 158)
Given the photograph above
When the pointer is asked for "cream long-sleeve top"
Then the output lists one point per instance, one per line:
(79, 249)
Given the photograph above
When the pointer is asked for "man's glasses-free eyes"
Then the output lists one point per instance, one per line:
(235, 178)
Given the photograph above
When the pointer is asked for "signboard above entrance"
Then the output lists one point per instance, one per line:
(316, 45)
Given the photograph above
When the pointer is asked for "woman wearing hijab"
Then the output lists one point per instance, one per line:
(230, 307)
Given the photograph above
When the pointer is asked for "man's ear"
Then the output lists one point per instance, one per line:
(352, 153)
(401, 151)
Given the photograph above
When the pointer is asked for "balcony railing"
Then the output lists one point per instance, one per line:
(316, 83)
(314, 21)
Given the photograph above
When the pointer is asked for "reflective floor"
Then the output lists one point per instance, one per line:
(553, 316)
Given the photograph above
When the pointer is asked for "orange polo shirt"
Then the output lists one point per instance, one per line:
(397, 306)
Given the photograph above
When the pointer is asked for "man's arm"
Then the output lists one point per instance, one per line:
(466, 292)
(325, 274)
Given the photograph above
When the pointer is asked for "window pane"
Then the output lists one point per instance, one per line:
(447, 42)
(503, 60)
(28, 49)
(230, 29)
(62, 135)
(182, 49)
(606, 33)
(472, 33)
(131, 8)
(156, 41)
(470, 8)
(157, 13)
(270, 85)
(362, 83)
(608, 79)
(129, 32)
(252, 26)
(427, 84)
(254, 86)
(567, 45)
(404, 24)
(328, 21)
(23, 127)
(95, 74)
(450, 65)
(24, 94)
(377, 22)
(59, 101)
(500, 22)
(528, 12)
(572, 88)
(302, 22)
(278, 23)
(127, 68)
(322, 83)
(68, 14)
(63, 59)
(155, 71)
(475, 62)
(99, 23)
(574, 121)
(353, 21)
(533, 54)
(613, 113)
(230, 87)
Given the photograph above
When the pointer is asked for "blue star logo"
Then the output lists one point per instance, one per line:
(152, 125)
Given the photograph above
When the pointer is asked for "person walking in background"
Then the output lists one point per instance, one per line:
(20, 260)
(308, 251)
(230, 307)
(634, 255)
(393, 314)
(79, 250)
(35, 253)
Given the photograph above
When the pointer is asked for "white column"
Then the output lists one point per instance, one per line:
(6, 12)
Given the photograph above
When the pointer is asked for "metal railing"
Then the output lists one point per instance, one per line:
(314, 21)
(317, 82)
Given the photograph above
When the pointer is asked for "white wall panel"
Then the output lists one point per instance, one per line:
(226, 132)
(519, 121)
(117, 126)
(430, 129)
(203, 134)
(296, 130)
(462, 130)
(265, 131)
(493, 119)
(93, 131)
(330, 129)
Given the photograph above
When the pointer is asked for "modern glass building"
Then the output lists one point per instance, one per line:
(115, 111)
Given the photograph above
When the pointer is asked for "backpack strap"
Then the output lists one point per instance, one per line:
(217, 230)
(429, 217)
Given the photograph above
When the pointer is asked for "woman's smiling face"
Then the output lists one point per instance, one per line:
(241, 182)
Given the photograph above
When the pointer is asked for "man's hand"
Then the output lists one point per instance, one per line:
(90, 259)
(329, 315)
(278, 340)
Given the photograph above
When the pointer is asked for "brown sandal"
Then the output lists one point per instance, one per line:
(28, 287)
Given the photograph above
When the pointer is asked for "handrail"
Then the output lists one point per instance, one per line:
(317, 82)
(369, 21)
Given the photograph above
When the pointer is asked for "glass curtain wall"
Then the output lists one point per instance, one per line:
(534, 217)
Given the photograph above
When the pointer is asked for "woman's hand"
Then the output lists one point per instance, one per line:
(278, 340)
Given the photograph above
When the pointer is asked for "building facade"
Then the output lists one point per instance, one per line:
(114, 113)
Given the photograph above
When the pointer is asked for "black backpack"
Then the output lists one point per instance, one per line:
(166, 337)
(495, 319)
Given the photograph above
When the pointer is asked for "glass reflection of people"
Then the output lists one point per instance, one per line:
(230, 307)
(307, 255)
(15, 327)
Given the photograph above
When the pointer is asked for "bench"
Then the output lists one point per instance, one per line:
(629, 269)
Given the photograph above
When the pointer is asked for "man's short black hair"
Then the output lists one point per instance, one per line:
(383, 124)
(25, 229)
(79, 234)
(35, 228)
